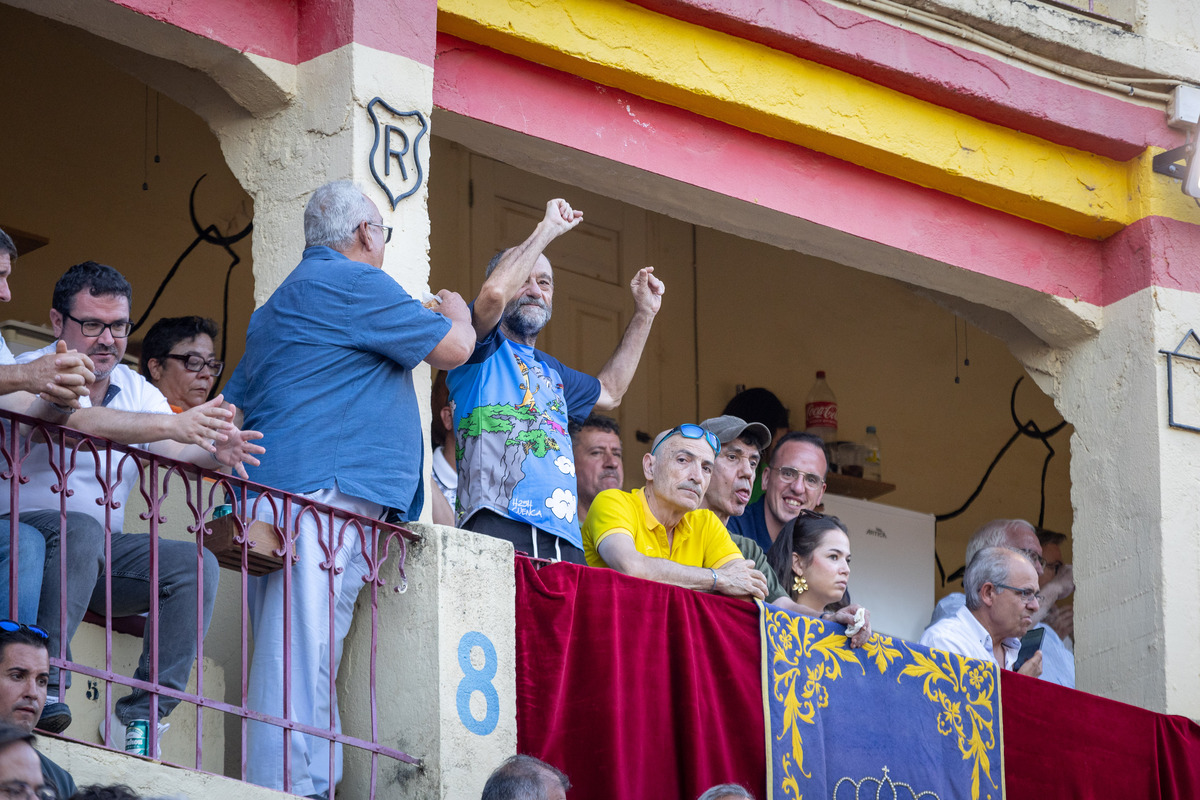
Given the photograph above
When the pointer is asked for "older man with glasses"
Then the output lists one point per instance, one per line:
(328, 378)
(1002, 596)
(660, 532)
(793, 481)
(1058, 665)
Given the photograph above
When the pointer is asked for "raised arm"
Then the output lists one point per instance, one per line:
(736, 578)
(516, 265)
(618, 372)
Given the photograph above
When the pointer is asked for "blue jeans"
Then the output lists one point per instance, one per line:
(178, 585)
(31, 556)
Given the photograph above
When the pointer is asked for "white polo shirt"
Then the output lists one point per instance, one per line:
(127, 391)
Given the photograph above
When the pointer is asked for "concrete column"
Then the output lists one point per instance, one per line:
(326, 134)
(446, 671)
(1135, 492)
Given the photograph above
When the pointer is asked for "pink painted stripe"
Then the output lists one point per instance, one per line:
(954, 77)
(503, 90)
(295, 31)
(1155, 251)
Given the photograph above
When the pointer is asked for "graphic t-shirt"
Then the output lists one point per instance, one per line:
(511, 404)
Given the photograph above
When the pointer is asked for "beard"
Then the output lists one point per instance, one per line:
(527, 316)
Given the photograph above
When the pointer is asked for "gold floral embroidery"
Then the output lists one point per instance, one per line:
(971, 686)
(805, 659)
(799, 686)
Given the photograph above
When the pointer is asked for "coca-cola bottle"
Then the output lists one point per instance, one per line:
(820, 411)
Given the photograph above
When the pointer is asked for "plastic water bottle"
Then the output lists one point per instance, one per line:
(873, 468)
(820, 411)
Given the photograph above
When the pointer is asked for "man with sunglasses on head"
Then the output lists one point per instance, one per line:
(512, 402)
(793, 480)
(90, 313)
(660, 533)
(24, 671)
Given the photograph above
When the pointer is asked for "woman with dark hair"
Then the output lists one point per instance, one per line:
(811, 557)
(177, 357)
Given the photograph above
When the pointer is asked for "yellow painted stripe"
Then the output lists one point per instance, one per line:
(770, 92)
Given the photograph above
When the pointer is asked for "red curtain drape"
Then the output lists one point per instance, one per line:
(640, 690)
(637, 689)
(1060, 744)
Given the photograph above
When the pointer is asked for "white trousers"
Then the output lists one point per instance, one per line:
(312, 700)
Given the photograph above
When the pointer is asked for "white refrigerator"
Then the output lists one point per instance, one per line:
(892, 568)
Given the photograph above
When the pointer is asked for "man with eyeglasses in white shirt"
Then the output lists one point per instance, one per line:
(90, 313)
(794, 481)
(1002, 593)
(1058, 665)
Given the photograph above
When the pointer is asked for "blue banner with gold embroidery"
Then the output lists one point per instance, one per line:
(889, 720)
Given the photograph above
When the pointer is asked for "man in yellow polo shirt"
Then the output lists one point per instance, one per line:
(660, 533)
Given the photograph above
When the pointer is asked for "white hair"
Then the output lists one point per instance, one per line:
(990, 565)
(994, 534)
(334, 213)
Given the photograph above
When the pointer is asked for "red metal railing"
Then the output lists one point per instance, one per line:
(91, 472)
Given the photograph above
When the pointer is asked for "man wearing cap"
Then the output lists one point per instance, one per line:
(742, 445)
(660, 532)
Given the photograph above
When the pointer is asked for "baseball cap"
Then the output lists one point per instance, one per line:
(728, 427)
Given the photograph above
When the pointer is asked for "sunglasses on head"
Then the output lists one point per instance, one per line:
(11, 626)
(691, 431)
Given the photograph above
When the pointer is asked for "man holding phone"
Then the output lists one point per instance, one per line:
(1058, 664)
(1002, 597)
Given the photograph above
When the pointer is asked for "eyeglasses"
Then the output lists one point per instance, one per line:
(807, 514)
(193, 363)
(811, 479)
(1034, 556)
(20, 790)
(690, 431)
(94, 327)
(387, 230)
(1024, 594)
(10, 626)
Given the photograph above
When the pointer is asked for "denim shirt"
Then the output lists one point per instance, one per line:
(327, 380)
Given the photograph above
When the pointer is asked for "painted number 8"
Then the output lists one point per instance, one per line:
(478, 680)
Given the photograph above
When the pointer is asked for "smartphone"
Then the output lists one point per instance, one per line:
(1031, 642)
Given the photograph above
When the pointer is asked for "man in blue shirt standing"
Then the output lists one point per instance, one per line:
(327, 379)
(512, 402)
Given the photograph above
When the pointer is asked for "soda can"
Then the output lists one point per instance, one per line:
(137, 737)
